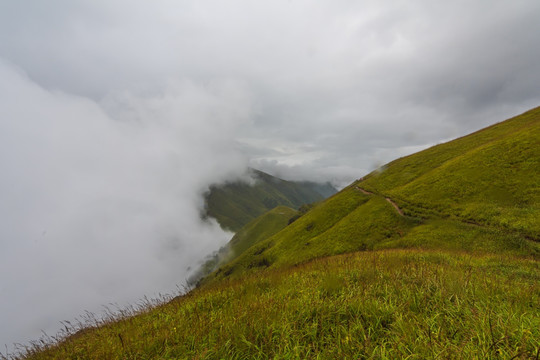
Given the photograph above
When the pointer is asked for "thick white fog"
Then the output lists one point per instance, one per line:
(102, 206)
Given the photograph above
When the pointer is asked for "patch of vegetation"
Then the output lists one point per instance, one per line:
(302, 210)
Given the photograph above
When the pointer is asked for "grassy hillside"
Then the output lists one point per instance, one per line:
(382, 305)
(259, 229)
(437, 255)
(352, 221)
(236, 204)
(491, 177)
(480, 192)
(255, 231)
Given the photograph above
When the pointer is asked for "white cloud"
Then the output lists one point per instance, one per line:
(98, 209)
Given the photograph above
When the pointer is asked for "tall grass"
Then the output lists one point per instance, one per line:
(413, 304)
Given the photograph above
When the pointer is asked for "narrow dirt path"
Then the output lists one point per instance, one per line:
(364, 191)
(465, 221)
(400, 212)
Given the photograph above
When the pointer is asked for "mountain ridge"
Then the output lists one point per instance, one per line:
(235, 204)
(313, 236)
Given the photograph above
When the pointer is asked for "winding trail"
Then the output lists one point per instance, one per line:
(400, 212)
(364, 191)
(465, 221)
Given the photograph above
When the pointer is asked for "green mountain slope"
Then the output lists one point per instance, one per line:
(236, 204)
(437, 255)
(255, 231)
(259, 229)
(489, 207)
(491, 177)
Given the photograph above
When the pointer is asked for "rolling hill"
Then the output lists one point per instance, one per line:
(435, 255)
(235, 204)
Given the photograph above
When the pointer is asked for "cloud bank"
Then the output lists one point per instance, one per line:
(99, 208)
(338, 87)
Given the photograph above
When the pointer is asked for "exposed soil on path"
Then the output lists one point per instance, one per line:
(395, 206)
(465, 221)
(400, 212)
(364, 191)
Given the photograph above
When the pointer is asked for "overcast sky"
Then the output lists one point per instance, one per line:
(116, 115)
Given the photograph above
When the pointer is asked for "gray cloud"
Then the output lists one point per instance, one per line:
(131, 107)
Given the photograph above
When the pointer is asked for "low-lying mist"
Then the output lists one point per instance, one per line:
(100, 202)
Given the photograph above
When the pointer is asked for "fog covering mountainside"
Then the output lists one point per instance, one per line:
(237, 203)
(435, 255)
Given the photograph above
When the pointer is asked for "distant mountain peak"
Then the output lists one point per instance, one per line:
(234, 204)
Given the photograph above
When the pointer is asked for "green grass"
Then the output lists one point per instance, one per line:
(414, 304)
(254, 232)
(455, 235)
(352, 221)
(491, 177)
(260, 229)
